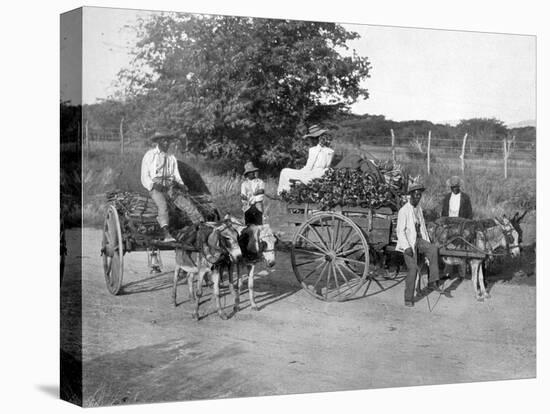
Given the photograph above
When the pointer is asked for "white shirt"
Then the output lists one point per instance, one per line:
(406, 229)
(153, 168)
(319, 157)
(249, 188)
(454, 205)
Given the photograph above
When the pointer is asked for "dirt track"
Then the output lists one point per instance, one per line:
(138, 347)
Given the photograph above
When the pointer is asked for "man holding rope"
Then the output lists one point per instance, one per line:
(413, 239)
(161, 177)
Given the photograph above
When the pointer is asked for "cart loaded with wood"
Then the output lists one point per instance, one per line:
(131, 225)
(345, 221)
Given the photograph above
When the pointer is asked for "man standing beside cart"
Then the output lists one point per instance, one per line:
(412, 240)
(161, 177)
(456, 203)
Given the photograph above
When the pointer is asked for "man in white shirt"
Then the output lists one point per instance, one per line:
(252, 195)
(456, 203)
(413, 239)
(318, 160)
(160, 176)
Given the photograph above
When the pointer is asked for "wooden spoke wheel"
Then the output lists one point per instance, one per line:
(112, 251)
(330, 256)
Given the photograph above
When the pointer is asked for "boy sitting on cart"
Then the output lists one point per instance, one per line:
(160, 176)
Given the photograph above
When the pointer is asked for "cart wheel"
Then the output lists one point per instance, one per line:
(112, 251)
(330, 256)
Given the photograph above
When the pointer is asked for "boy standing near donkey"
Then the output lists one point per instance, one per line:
(252, 195)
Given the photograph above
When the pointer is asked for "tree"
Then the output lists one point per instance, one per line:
(237, 85)
(487, 129)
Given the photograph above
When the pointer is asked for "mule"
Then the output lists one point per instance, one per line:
(257, 244)
(217, 244)
(484, 236)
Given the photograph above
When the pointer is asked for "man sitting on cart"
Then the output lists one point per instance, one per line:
(413, 239)
(160, 176)
(318, 160)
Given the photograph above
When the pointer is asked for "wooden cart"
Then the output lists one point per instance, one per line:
(331, 250)
(124, 232)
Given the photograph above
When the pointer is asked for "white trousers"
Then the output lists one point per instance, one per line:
(305, 176)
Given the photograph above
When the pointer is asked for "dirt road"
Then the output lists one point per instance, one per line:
(138, 347)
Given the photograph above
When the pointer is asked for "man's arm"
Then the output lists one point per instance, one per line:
(401, 232)
(310, 158)
(330, 154)
(261, 188)
(468, 213)
(445, 206)
(177, 175)
(146, 171)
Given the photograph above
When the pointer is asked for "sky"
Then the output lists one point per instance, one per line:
(436, 75)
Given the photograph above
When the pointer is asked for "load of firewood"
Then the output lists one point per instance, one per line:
(138, 207)
(361, 183)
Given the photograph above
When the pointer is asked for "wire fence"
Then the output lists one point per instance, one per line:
(463, 153)
(506, 154)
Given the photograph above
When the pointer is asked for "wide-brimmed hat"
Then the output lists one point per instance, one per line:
(249, 168)
(455, 181)
(315, 131)
(416, 186)
(164, 134)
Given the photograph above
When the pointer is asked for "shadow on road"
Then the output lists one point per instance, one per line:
(153, 283)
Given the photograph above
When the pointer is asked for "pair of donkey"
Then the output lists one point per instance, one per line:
(224, 247)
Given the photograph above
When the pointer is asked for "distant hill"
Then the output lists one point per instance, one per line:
(522, 124)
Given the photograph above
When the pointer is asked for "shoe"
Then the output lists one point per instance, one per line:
(435, 287)
(167, 236)
(409, 303)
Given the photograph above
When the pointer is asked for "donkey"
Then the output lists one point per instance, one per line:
(217, 244)
(257, 243)
(484, 236)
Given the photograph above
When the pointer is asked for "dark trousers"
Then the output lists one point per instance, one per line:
(253, 216)
(431, 253)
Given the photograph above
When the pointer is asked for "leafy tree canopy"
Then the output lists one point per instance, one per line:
(483, 128)
(237, 85)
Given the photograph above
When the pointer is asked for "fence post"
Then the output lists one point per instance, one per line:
(429, 147)
(507, 145)
(392, 146)
(121, 136)
(462, 154)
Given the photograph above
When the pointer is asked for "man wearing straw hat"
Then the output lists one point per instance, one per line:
(252, 195)
(318, 160)
(161, 177)
(413, 239)
(456, 203)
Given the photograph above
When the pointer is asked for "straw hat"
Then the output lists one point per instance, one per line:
(455, 181)
(164, 134)
(416, 186)
(315, 131)
(249, 168)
